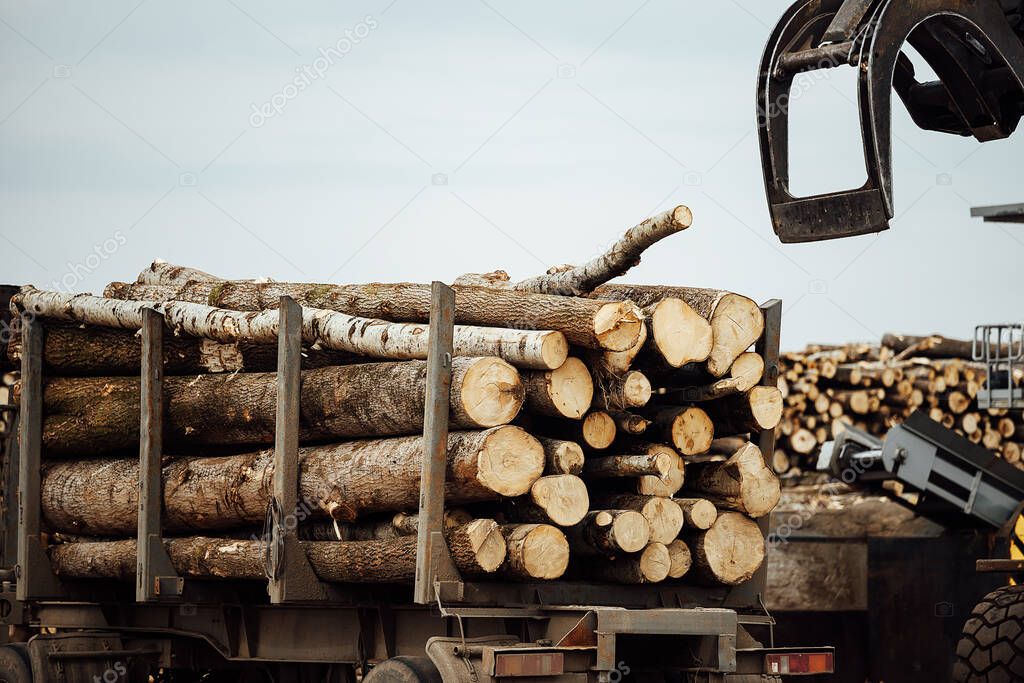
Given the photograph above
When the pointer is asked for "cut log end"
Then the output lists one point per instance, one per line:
(631, 530)
(698, 513)
(680, 559)
(535, 551)
(563, 498)
(562, 457)
(617, 325)
(664, 486)
(565, 392)
(749, 369)
(554, 350)
(492, 392)
(665, 517)
(486, 543)
(736, 324)
(510, 461)
(766, 407)
(680, 334)
(655, 563)
(692, 431)
(599, 430)
(730, 551)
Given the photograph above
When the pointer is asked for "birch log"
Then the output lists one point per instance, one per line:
(328, 329)
(93, 415)
(595, 324)
(623, 255)
(100, 498)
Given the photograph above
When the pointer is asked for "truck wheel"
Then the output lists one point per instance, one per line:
(14, 666)
(991, 647)
(404, 670)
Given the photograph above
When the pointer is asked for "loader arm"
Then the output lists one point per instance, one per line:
(976, 47)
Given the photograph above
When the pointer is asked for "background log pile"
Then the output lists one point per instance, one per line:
(876, 386)
(599, 432)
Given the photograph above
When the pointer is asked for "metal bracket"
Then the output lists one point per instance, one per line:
(291, 579)
(971, 46)
(156, 577)
(35, 577)
(436, 575)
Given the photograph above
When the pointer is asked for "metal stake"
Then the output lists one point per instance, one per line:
(155, 575)
(292, 579)
(433, 562)
(34, 574)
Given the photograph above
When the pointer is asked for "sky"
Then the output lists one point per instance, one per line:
(400, 141)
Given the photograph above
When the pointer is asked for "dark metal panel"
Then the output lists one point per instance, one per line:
(155, 575)
(34, 575)
(433, 564)
(1007, 213)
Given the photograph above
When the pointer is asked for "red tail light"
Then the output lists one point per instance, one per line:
(799, 663)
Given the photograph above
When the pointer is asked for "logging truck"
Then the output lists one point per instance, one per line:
(288, 615)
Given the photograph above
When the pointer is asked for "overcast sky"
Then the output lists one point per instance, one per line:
(397, 140)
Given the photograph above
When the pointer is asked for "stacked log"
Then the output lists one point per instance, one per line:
(583, 420)
(877, 386)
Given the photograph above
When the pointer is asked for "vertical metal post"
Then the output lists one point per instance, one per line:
(768, 347)
(155, 575)
(34, 575)
(291, 577)
(433, 563)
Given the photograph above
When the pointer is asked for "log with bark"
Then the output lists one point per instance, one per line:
(95, 415)
(590, 323)
(328, 329)
(616, 261)
(477, 548)
(341, 481)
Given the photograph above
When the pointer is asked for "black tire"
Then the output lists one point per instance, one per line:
(404, 670)
(14, 665)
(991, 647)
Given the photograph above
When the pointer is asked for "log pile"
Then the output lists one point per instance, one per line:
(587, 424)
(876, 386)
